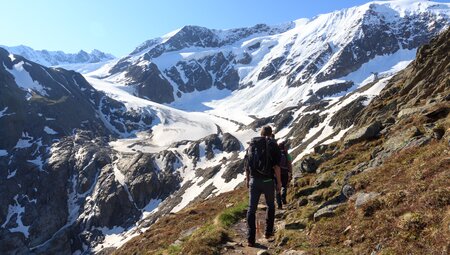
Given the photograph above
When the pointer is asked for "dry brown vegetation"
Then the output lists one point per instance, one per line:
(161, 236)
(411, 216)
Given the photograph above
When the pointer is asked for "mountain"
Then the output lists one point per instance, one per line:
(102, 153)
(381, 189)
(298, 56)
(58, 58)
(70, 148)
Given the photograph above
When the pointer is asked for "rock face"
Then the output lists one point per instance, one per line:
(150, 83)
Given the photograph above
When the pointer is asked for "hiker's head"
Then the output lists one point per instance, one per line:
(283, 146)
(266, 131)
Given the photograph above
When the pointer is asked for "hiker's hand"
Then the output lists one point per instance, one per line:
(279, 187)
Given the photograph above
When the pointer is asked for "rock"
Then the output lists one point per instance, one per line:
(348, 243)
(296, 225)
(320, 149)
(410, 111)
(283, 241)
(151, 84)
(263, 252)
(233, 169)
(345, 117)
(348, 191)
(308, 165)
(193, 151)
(293, 252)
(12, 243)
(324, 180)
(230, 143)
(213, 143)
(399, 139)
(363, 198)
(325, 212)
(365, 133)
(186, 233)
(334, 89)
(302, 201)
(315, 197)
(347, 230)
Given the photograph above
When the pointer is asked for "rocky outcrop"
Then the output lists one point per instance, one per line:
(150, 83)
(364, 133)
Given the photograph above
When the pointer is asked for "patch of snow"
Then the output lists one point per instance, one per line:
(25, 81)
(393, 63)
(38, 161)
(50, 131)
(11, 174)
(3, 153)
(18, 210)
(3, 112)
(151, 207)
(24, 142)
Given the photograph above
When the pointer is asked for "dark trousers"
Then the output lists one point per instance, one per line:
(281, 198)
(258, 187)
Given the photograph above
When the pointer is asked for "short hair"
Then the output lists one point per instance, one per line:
(266, 131)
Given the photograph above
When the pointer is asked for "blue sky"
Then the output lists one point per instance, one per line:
(118, 26)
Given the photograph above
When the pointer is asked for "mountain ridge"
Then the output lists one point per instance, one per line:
(56, 58)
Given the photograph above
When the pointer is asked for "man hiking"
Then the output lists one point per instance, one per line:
(286, 173)
(262, 166)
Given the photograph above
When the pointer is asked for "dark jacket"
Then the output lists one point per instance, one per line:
(274, 157)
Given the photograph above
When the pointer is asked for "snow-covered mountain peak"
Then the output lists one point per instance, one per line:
(58, 58)
(410, 7)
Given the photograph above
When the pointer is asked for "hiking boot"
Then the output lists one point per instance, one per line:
(280, 207)
(268, 235)
(251, 243)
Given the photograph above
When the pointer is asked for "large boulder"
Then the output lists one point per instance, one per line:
(363, 134)
(364, 198)
(309, 165)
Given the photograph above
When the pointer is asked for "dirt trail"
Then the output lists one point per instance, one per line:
(238, 245)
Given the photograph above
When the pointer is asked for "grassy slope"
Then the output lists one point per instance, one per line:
(208, 219)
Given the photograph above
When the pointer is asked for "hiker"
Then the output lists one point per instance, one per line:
(262, 166)
(286, 174)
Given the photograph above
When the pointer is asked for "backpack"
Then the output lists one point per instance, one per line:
(258, 157)
(284, 161)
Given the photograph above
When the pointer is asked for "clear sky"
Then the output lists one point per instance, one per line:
(118, 26)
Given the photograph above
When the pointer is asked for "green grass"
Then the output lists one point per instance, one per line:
(206, 240)
(232, 215)
(174, 249)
